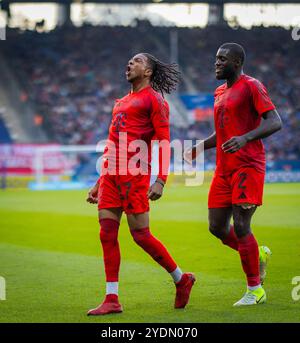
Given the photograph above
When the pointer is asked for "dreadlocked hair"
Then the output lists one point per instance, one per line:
(165, 76)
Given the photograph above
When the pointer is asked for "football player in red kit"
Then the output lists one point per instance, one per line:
(243, 114)
(140, 116)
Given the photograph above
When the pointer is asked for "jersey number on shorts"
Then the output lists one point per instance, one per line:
(127, 187)
(242, 177)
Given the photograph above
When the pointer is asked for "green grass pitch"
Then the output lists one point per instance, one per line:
(50, 257)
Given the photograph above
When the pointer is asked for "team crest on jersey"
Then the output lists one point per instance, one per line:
(217, 98)
(118, 103)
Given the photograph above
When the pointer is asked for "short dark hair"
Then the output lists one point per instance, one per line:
(236, 49)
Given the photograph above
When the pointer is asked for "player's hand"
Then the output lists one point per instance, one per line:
(234, 144)
(155, 191)
(93, 195)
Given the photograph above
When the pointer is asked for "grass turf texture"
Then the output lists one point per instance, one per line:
(50, 257)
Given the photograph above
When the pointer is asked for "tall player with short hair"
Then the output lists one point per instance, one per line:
(243, 114)
(142, 115)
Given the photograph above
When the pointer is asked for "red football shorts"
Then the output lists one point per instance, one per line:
(125, 191)
(244, 186)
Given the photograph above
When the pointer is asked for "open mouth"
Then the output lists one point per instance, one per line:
(128, 70)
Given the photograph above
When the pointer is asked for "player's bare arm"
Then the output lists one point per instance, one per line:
(271, 124)
(210, 142)
(267, 127)
(191, 153)
(93, 194)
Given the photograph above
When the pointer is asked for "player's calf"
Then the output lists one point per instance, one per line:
(151, 245)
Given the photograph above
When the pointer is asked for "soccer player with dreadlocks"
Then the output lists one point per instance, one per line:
(143, 115)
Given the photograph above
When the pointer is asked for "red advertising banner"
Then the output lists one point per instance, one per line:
(21, 159)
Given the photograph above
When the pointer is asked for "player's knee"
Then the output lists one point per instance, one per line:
(107, 236)
(216, 229)
(139, 235)
(108, 230)
(241, 228)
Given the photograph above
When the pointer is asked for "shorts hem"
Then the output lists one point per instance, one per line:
(108, 206)
(135, 212)
(247, 202)
(219, 206)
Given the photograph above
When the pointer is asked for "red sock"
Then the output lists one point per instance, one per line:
(231, 239)
(111, 251)
(248, 250)
(154, 248)
(111, 298)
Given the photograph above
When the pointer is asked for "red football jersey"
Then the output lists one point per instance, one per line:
(143, 116)
(238, 110)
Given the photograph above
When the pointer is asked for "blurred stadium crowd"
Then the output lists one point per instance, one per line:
(73, 75)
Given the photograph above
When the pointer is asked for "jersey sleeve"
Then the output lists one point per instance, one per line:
(160, 122)
(261, 100)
